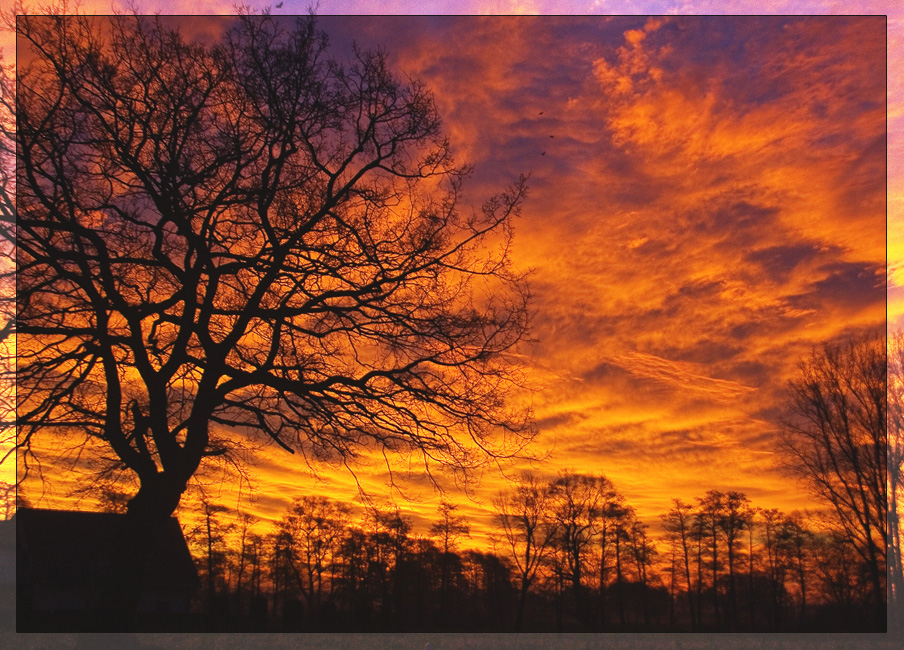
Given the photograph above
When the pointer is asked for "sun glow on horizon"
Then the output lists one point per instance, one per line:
(707, 201)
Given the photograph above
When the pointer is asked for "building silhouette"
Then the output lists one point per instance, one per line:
(97, 571)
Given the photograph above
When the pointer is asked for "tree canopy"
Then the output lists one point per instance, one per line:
(245, 236)
(836, 438)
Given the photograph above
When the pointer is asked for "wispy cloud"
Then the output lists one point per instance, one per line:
(707, 202)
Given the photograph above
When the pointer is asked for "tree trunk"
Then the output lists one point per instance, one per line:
(120, 600)
(158, 497)
(522, 601)
(147, 514)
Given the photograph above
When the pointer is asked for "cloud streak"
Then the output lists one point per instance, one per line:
(707, 203)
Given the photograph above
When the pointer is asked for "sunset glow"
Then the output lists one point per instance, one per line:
(707, 203)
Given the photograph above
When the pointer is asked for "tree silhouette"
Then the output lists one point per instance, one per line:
(245, 238)
(775, 564)
(895, 475)
(577, 502)
(736, 517)
(528, 528)
(836, 439)
(645, 553)
(709, 514)
(8, 391)
(313, 526)
(448, 532)
(677, 523)
(612, 514)
(796, 540)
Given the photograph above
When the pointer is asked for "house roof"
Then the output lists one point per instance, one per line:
(70, 548)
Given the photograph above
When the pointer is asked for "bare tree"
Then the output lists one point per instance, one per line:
(835, 569)
(246, 557)
(795, 541)
(448, 531)
(678, 522)
(736, 517)
(578, 501)
(209, 540)
(895, 476)
(710, 512)
(7, 261)
(611, 516)
(645, 553)
(774, 564)
(528, 527)
(836, 440)
(751, 562)
(391, 546)
(314, 527)
(246, 238)
(450, 528)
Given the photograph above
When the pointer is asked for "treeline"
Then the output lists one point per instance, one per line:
(570, 555)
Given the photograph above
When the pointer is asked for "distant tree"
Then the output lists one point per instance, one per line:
(612, 513)
(216, 555)
(576, 504)
(895, 475)
(836, 569)
(390, 545)
(208, 541)
(423, 572)
(645, 553)
(352, 569)
(450, 528)
(243, 237)
(448, 532)
(751, 563)
(247, 559)
(621, 539)
(488, 600)
(736, 517)
(836, 440)
(775, 565)
(795, 542)
(312, 527)
(698, 537)
(678, 526)
(710, 512)
(528, 528)
(283, 575)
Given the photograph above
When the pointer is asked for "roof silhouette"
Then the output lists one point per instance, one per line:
(71, 548)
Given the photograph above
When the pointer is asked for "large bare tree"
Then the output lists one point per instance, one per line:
(836, 438)
(241, 236)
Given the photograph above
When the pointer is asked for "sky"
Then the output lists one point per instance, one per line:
(707, 203)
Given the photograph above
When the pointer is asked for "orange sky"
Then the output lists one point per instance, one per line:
(707, 202)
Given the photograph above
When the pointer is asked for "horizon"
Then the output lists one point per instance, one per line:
(740, 226)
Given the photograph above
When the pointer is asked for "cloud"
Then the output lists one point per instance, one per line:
(697, 229)
(682, 375)
(706, 203)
